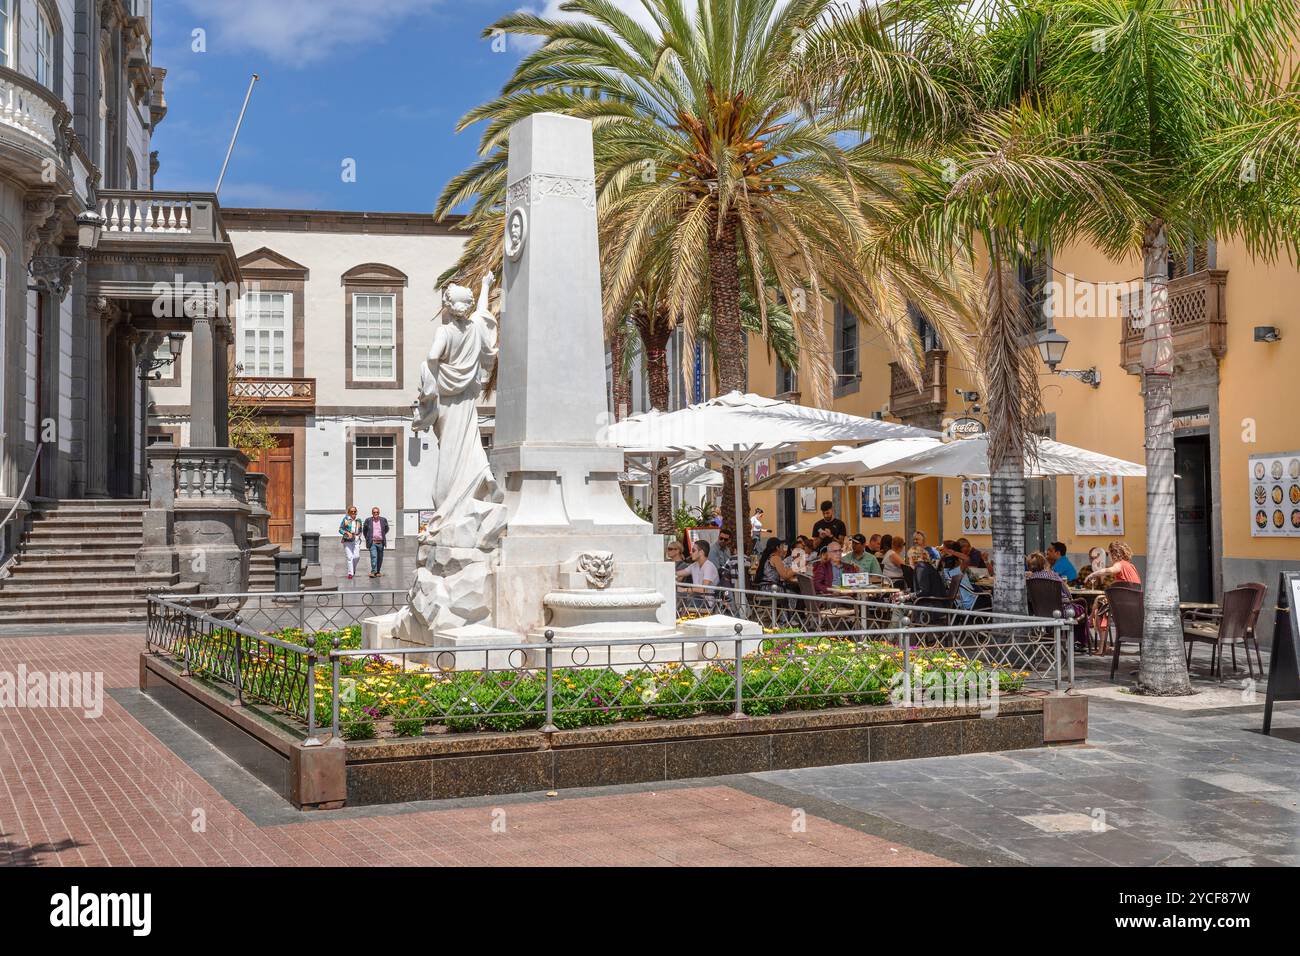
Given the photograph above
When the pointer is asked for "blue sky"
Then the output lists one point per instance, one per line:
(381, 82)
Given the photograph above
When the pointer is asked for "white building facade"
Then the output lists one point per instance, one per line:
(336, 315)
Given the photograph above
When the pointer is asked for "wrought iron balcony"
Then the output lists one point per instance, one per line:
(274, 396)
(1198, 316)
(906, 401)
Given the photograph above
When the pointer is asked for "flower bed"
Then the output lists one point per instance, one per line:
(380, 698)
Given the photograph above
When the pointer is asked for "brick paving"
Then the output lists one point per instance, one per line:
(104, 791)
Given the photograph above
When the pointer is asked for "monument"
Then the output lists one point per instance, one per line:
(543, 539)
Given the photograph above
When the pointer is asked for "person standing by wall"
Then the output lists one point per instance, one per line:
(376, 531)
(349, 531)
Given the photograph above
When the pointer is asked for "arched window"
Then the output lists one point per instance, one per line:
(132, 174)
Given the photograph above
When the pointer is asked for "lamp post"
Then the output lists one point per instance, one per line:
(1051, 348)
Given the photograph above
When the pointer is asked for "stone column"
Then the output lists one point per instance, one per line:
(220, 385)
(203, 432)
(98, 321)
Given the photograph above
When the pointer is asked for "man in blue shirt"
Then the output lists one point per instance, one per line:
(1060, 563)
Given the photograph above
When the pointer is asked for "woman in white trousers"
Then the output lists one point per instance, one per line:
(350, 532)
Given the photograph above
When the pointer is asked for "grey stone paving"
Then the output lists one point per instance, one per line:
(1150, 788)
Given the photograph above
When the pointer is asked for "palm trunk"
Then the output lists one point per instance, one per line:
(1007, 516)
(654, 338)
(621, 390)
(1014, 405)
(1163, 668)
(724, 305)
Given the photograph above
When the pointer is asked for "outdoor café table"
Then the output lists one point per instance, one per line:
(1198, 611)
(874, 593)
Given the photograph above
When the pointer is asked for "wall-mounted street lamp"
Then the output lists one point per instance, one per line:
(53, 274)
(1051, 348)
(90, 227)
(149, 367)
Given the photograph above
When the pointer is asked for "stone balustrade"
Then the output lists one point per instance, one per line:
(146, 215)
(211, 473)
(28, 107)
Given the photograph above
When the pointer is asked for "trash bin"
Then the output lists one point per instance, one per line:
(288, 572)
(311, 547)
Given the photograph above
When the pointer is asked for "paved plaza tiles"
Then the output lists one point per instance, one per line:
(1154, 786)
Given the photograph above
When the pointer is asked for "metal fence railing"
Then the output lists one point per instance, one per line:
(312, 667)
(255, 667)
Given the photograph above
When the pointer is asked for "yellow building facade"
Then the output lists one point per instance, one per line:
(1236, 405)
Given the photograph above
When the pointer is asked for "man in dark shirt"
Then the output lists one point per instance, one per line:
(829, 522)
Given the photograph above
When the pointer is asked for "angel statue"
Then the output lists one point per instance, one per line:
(451, 379)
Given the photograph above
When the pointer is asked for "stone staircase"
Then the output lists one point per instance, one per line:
(77, 566)
(261, 567)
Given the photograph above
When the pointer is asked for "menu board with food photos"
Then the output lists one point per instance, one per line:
(1275, 495)
(975, 507)
(1098, 504)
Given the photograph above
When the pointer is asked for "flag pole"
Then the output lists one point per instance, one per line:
(238, 123)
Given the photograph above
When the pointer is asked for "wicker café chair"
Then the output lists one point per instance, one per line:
(1232, 628)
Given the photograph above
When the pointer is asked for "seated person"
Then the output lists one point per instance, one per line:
(1039, 568)
(951, 568)
(1059, 563)
(723, 555)
(918, 541)
(800, 552)
(1121, 567)
(702, 572)
(891, 565)
(972, 556)
(928, 583)
(673, 553)
(829, 571)
(860, 558)
(774, 574)
(886, 545)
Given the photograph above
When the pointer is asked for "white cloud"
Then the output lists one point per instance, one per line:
(297, 32)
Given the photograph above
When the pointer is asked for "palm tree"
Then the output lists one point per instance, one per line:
(705, 154)
(1005, 180)
(1181, 87)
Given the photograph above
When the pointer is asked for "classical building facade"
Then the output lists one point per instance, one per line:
(336, 315)
(96, 271)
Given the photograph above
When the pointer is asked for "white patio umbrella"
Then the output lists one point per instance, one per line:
(843, 464)
(735, 429)
(969, 457)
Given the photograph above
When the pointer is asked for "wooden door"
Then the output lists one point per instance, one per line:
(277, 464)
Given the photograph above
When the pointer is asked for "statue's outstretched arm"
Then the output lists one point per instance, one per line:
(484, 290)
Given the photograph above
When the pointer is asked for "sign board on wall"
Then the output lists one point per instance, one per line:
(807, 499)
(1275, 495)
(891, 507)
(871, 501)
(1098, 504)
(975, 517)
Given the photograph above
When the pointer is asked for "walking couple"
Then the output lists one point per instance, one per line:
(374, 530)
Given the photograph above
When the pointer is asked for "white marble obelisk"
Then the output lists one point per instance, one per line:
(566, 511)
